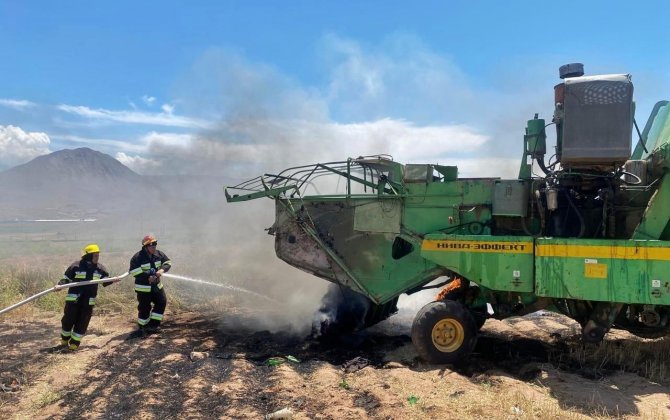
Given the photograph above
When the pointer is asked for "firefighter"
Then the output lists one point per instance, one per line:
(147, 266)
(80, 300)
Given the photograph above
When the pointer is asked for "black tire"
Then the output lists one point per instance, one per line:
(480, 317)
(444, 332)
(650, 333)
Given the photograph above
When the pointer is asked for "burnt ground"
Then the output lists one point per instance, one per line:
(207, 366)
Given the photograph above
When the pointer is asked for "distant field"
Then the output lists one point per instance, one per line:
(21, 239)
(33, 257)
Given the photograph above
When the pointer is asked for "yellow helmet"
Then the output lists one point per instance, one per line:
(90, 249)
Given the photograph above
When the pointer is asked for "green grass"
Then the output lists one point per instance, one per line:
(19, 280)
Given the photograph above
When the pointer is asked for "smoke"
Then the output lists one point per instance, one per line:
(137, 163)
(398, 98)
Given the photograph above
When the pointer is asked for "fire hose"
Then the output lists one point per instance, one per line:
(61, 287)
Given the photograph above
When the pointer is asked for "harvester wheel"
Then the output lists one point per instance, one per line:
(480, 317)
(444, 332)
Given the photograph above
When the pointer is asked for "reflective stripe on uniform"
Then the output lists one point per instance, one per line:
(96, 276)
(142, 322)
(80, 274)
(157, 317)
(91, 301)
(168, 262)
(76, 337)
(160, 286)
(136, 271)
(142, 288)
(65, 333)
(146, 267)
(71, 297)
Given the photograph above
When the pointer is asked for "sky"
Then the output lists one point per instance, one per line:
(239, 88)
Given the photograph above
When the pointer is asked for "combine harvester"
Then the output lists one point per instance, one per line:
(588, 237)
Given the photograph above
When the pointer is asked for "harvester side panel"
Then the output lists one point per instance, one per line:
(460, 206)
(603, 270)
(654, 223)
(502, 263)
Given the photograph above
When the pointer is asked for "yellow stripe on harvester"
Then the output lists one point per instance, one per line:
(600, 251)
(496, 247)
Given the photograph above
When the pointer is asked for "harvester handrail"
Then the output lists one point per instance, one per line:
(296, 179)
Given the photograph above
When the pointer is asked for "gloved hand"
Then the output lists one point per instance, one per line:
(63, 281)
(152, 276)
(159, 273)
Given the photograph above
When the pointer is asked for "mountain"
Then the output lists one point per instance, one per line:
(70, 183)
(70, 165)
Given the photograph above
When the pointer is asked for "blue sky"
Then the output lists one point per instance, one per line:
(235, 88)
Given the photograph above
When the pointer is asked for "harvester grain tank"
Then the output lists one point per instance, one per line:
(584, 233)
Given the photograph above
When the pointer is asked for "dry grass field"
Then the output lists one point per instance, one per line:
(217, 358)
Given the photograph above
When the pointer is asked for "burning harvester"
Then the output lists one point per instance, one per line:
(587, 237)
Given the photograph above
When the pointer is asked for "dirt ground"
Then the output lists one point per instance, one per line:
(204, 366)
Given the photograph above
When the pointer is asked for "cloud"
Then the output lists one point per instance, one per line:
(101, 143)
(137, 163)
(18, 146)
(167, 108)
(20, 104)
(135, 117)
(149, 100)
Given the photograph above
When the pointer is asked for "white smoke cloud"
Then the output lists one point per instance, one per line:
(271, 145)
(225, 86)
(158, 139)
(399, 78)
(473, 167)
(137, 163)
(269, 121)
(18, 146)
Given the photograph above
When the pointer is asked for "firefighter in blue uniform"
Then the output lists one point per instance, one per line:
(147, 266)
(80, 300)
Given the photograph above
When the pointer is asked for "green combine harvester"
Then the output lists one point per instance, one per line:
(585, 233)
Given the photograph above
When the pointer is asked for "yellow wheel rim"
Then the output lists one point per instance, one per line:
(448, 335)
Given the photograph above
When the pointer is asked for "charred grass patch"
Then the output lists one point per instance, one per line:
(648, 358)
(524, 357)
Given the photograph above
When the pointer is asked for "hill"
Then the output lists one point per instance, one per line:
(68, 183)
